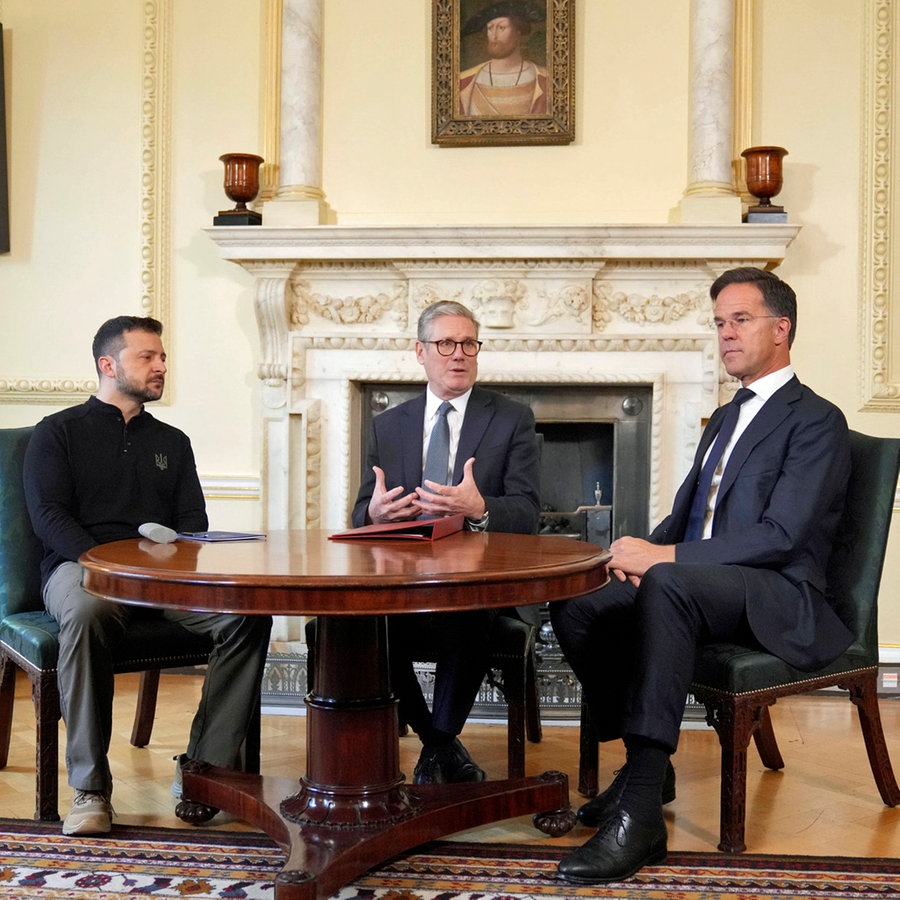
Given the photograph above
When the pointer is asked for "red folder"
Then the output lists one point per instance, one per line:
(416, 530)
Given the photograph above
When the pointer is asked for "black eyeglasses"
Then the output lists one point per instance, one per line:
(446, 347)
(740, 321)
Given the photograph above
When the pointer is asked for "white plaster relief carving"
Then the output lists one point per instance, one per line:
(46, 390)
(496, 300)
(346, 310)
(156, 151)
(653, 310)
(665, 344)
(273, 300)
(423, 294)
(313, 456)
(879, 390)
(570, 302)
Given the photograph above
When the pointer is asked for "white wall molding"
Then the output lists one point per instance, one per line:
(879, 386)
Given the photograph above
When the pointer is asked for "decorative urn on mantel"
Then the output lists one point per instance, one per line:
(241, 185)
(764, 181)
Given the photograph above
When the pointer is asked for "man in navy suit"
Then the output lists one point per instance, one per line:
(490, 476)
(745, 563)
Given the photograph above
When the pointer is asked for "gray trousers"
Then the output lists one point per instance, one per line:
(88, 627)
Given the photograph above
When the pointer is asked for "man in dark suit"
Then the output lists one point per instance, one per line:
(489, 473)
(741, 558)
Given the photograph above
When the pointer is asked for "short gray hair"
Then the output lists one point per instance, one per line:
(436, 311)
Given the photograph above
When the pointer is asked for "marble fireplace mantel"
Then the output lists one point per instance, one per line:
(756, 244)
(336, 306)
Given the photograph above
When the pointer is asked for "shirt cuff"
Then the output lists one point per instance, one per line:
(478, 524)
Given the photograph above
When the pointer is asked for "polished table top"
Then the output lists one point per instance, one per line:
(304, 572)
(353, 807)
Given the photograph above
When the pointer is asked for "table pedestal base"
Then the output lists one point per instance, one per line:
(322, 858)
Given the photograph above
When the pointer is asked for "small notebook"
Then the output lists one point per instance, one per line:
(415, 530)
(213, 536)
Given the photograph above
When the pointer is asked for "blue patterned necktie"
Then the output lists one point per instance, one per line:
(700, 502)
(437, 462)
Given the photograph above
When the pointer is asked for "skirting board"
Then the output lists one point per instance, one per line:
(285, 686)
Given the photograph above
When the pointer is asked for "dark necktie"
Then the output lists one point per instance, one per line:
(437, 462)
(700, 502)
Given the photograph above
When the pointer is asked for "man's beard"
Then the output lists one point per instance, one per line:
(501, 49)
(141, 393)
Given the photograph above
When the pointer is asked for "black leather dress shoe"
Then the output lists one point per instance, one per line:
(446, 765)
(619, 849)
(603, 806)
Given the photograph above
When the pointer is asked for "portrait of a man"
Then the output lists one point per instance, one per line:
(503, 72)
(510, 79)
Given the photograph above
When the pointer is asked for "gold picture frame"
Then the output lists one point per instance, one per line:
(489, 93)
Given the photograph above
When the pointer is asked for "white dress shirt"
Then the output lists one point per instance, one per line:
(762, 388)
(454, 421)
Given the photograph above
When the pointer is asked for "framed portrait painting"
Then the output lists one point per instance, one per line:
(504, 72)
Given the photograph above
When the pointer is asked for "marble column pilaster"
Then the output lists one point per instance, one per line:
(710, 195)
(299, 198)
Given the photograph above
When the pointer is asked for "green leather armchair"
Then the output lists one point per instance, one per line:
(737, 685)
(29, 638)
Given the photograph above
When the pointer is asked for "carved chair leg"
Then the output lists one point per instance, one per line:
(45, 695)
(766, 745)
(588, 755)
(252, 741)
(734, 721)
(864, 695)
(514, 690)
(145, 712)
(8, 671)
(533, 730)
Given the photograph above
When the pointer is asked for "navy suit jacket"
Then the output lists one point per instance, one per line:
(778, 509)
(497, 431)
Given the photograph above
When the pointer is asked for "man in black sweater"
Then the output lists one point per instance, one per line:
(93, 474)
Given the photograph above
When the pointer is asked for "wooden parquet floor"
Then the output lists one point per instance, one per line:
(823, 803)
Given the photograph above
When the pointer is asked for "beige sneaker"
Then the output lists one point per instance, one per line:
(91, 813)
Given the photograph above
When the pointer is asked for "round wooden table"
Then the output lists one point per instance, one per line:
(353, 808)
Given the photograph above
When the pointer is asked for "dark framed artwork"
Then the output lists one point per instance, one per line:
(4, 175)
(503, 72)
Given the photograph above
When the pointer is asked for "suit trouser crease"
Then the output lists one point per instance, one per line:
(633, 649)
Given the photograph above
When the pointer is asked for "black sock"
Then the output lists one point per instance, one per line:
(647, 765)
(437, 738)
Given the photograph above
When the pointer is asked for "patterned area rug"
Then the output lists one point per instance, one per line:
(37, 861)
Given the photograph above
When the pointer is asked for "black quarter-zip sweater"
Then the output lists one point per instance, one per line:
(90, 478)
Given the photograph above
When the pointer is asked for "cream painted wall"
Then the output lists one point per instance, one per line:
(75, 119)
(813, 108)
(69, 189)
(380, 165)
(74, 82)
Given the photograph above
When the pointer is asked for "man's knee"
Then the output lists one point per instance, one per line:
(672, 589)
(245, 630)
(661, 575)
(75, 609)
